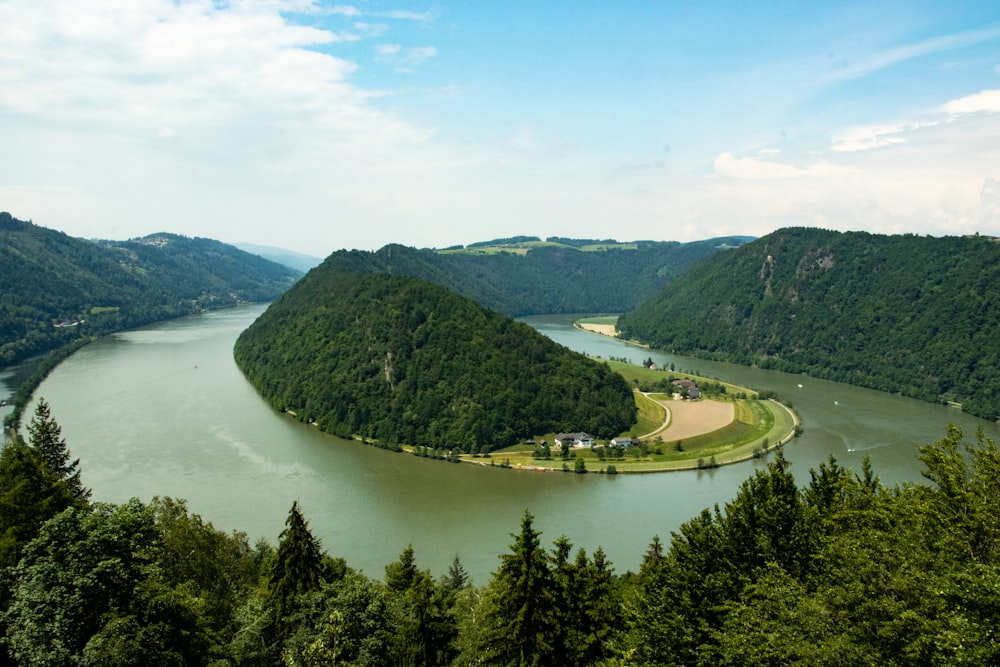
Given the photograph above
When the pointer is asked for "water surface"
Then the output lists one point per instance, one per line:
(163, 410)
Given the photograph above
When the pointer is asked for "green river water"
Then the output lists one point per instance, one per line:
(164, 411)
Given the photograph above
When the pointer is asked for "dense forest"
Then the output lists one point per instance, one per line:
(545, 279)
(58, 289)
(907, 314)
(396, 359)
(838, 570)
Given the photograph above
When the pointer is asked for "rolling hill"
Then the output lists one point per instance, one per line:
(57, 289)
(908, 314)
(397, 359)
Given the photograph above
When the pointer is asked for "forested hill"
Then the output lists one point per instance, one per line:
(909, 314)
(544, 278)
(400, 360)
(56, 288)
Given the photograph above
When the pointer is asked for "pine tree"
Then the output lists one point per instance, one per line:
(402, 574)
(520, 615)
(45, 435)
(298, 565)
(457, 577)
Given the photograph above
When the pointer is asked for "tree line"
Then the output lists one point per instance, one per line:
(839, 570)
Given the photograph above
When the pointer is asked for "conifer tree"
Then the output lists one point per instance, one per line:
(457, 577)
(520, 616)
(298, 565)
(402, 574)
(45, 435)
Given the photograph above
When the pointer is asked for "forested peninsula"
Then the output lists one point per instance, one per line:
(396, 359)
(908, 314)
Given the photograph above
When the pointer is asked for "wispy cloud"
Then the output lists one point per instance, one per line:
(404, 59)
(867, 137)
(406, 15)
(872, 62)
(748, 168)
(346, 10)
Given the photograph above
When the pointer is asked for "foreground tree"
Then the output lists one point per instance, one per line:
(45, 435)
(30, 495)
(519, 605)
(297, 568)
(86, 591)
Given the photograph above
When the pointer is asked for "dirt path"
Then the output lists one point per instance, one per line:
(686, 419)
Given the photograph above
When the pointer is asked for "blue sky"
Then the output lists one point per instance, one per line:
(317, 125)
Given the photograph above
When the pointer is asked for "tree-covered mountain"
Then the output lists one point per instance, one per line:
(545, 278)
(56, 288)
(400, 360)
(908, 314)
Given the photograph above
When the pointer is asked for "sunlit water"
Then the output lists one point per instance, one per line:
(163, 410)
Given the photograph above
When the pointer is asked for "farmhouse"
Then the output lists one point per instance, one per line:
(687, 388)
(621, 442)
(574, 440)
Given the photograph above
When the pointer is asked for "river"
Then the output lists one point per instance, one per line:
(163, 410)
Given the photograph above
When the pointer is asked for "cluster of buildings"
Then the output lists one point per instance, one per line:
(570, 440)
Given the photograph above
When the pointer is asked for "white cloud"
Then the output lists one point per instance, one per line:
(867, 137)
(409, 15)
(144, 112)
(404, 59)
(987, 100)
(388, 50)
(371, 29)
(346, 10)
(728, 165)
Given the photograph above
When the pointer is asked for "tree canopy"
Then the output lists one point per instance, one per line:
(834, 570)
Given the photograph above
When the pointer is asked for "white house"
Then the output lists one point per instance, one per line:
(574, 439)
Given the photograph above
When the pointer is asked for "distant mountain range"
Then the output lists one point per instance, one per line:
(56, 288)
(293, 260)
(525, 276)
(909, 314)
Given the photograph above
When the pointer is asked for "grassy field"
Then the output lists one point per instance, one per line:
(759, 426)
(651, 414)
(638, 375)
